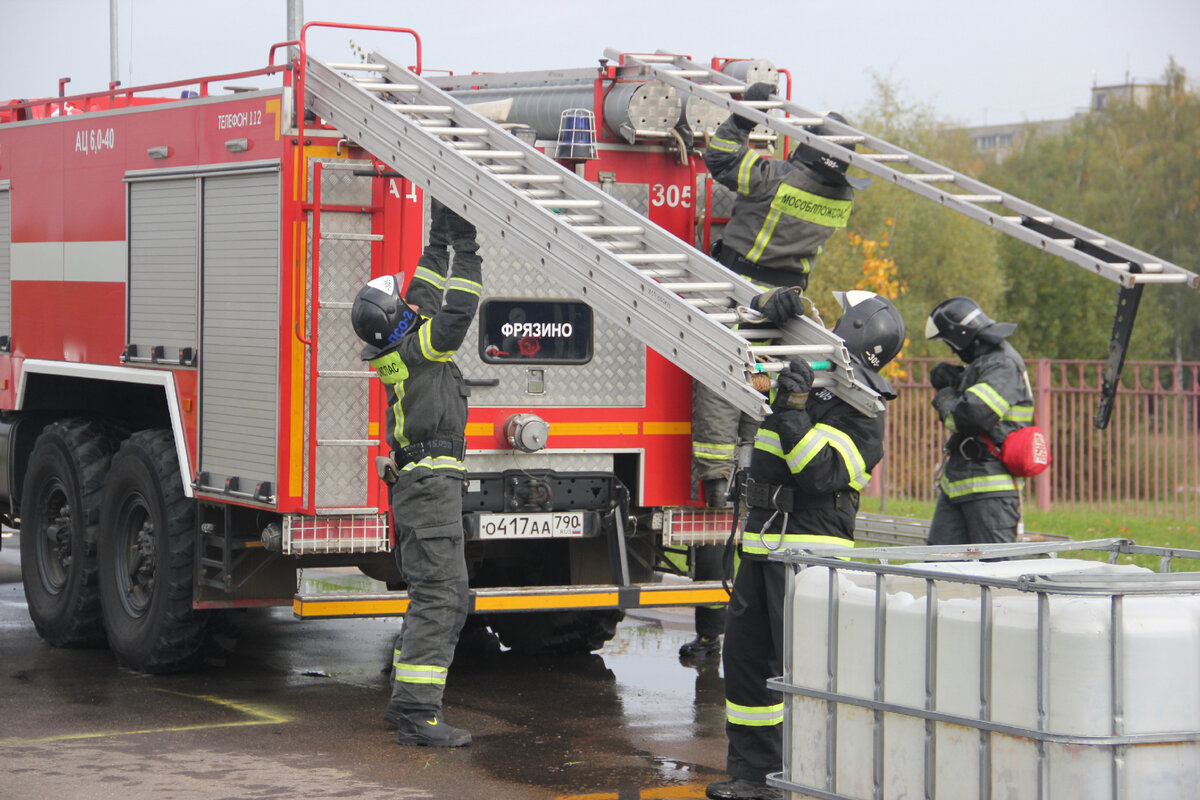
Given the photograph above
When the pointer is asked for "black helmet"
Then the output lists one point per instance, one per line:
(958, 321)
(830, 168)
(871, 327)
(379, 315)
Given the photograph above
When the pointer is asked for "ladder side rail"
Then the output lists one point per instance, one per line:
(698, 265)
(539, 234)
(1110, 268)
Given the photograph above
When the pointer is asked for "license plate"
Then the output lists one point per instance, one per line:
(543, 525)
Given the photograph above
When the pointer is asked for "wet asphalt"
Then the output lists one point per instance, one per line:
(297, 713)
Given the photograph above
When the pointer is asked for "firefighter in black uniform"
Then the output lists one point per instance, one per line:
(410, 342)
(812, 456)
(978, 500)
(784, 211)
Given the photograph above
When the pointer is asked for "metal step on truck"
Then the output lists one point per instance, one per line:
(184, 419)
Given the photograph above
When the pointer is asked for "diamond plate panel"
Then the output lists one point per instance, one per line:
(614, 377)
(563, 462)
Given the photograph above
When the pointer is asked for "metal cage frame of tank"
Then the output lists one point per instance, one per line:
(1116, 588)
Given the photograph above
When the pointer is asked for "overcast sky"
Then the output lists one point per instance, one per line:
(973, 62)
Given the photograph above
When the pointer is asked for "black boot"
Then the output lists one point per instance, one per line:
(741, 789)
(714, 493)
(428, 728)
(701, 647)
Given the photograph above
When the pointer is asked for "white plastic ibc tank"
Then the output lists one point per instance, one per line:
(1160, 680)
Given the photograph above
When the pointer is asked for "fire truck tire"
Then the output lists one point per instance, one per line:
(146, 556)
(556, 632)
(60, 507)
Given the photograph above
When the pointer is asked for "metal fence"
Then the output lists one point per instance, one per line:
(1147, 461)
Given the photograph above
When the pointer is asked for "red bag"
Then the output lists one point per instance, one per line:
(1025, 451)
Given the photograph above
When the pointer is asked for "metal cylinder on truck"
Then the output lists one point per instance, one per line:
(702, 117)
(633, 110)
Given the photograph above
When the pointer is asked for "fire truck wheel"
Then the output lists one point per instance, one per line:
(556, 632)
(146, 558)
(59, 508)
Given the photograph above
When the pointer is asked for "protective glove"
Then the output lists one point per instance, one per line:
(756, 93)
(793, 385)
(461, 233)
(779, 304)
(943, 401)
(439, 231)
(945, 374)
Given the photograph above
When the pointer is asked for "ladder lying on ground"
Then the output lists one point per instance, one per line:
(1118, 262)
(670, 296)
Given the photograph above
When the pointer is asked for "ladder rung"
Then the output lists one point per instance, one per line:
(755, 333)
(1160, 277)
(531, 178)
(930, 177)
(468, 145)
(762, 105)
(847, 139)
(654, 258)
(657, 58)
(353, 237)
(689, 73)
(897, 158)
(356, 67)
(1152, 266)
(450, 130)
(570, 203)
(497, 154)
(1019, 220)
(724, 88)
(698, 287)
(710, 302)
(618, 245)
(387, 86)
(978, 198)
(792, 350)
(418, 109)
(611, 230)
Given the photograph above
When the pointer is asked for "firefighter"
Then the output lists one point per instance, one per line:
(978, 500)
(813, 454)
(784, 211)
(410, 342)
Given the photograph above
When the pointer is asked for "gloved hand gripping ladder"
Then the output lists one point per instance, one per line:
(670, 296)
(1118, 262)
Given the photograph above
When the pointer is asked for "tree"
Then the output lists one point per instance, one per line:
(1131, 172)
(935, 253)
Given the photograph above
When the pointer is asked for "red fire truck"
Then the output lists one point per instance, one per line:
(185, 421)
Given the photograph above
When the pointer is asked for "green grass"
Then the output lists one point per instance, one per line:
(1081, 524)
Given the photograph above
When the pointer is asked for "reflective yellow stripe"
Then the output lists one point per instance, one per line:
(427, 349)
(713, 452)
(435, 279)
(990, 397)
(724, 145)
(764, 236)
(418, 673)
(856, 466)
(435, 462)
(765, 543)
(979, 485)
(1019, 414)
(768, 442)
(814, 208)
(754, 716)
(748, 161)
(464, 285)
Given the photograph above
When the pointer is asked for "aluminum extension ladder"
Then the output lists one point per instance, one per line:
(1131, 268)
(666, 293)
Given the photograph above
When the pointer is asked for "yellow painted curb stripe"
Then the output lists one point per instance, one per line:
(259, 715)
